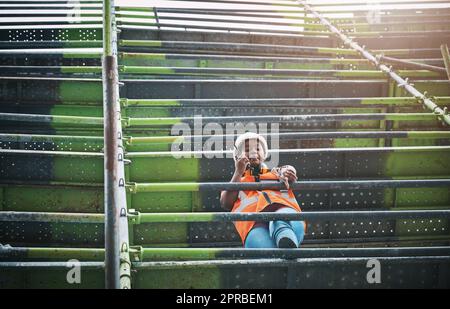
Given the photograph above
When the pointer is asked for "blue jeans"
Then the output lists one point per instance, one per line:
(263, 235)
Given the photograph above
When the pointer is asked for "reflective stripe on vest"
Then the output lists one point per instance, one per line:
(285, 194)
(246, 201)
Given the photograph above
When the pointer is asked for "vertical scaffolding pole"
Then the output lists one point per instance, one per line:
(117, 262)
(109, 76)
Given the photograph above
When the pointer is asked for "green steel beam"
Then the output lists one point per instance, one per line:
(152, 70)
(168, 121)
(294, 136)
(191, 254)
(165, 121)
(50, 254)
(298, 185)
(193, 265)
(237, 47)
(299, 151)
(53, 217)
(39, 138)
(135, 217)
(294, 102)
(267, 72)
(53, 119)
(53, 153)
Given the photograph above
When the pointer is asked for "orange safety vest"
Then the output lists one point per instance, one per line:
(256, 201)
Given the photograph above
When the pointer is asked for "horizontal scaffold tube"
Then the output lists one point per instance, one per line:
(137, 122)
(54, 217)
(138, 218)
(51, 153)
(22, 70)
(295, 30)
(285, 14)
(342, 7)
(247, 60)
(41, 138)
(174, 254)
(130, 140)
(190, 154)
(298, 185)
(195, 71)
(51, 265)
(282, 102)
(292, 136)
(49, 44)
(53, 119)
(411, 64)
(135, 217)
(229, 27)
(299, 151)
(50, 254)
(274, 262)
(90, 53)
(256, 72)
(236, 47)
(167, 121)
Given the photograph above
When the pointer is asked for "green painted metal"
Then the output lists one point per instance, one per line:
(198, 45)
(192, 254)
(400, 101)
(52, 254)
(52, 198)
(54, 175)
(269, 72)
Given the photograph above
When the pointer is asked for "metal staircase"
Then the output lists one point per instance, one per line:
(354, 96)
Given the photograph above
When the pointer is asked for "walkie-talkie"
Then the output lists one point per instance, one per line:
(255, 170)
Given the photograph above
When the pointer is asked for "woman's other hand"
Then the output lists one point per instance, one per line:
(288, 174)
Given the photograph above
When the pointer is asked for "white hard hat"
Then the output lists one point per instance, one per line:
(239, 145)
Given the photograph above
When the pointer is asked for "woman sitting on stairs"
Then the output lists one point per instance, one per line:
(249, 154)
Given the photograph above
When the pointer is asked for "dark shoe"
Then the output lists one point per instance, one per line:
(286, 242)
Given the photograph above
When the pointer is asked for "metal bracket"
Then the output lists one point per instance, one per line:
(123, 212)
(134, 217)
(136, 253)
(126, 121)
(124, 102)
(132, 187)
(401, 85)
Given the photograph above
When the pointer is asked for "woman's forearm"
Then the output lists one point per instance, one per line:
(227, 198)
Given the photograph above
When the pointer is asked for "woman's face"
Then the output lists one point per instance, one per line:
(252, 152)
